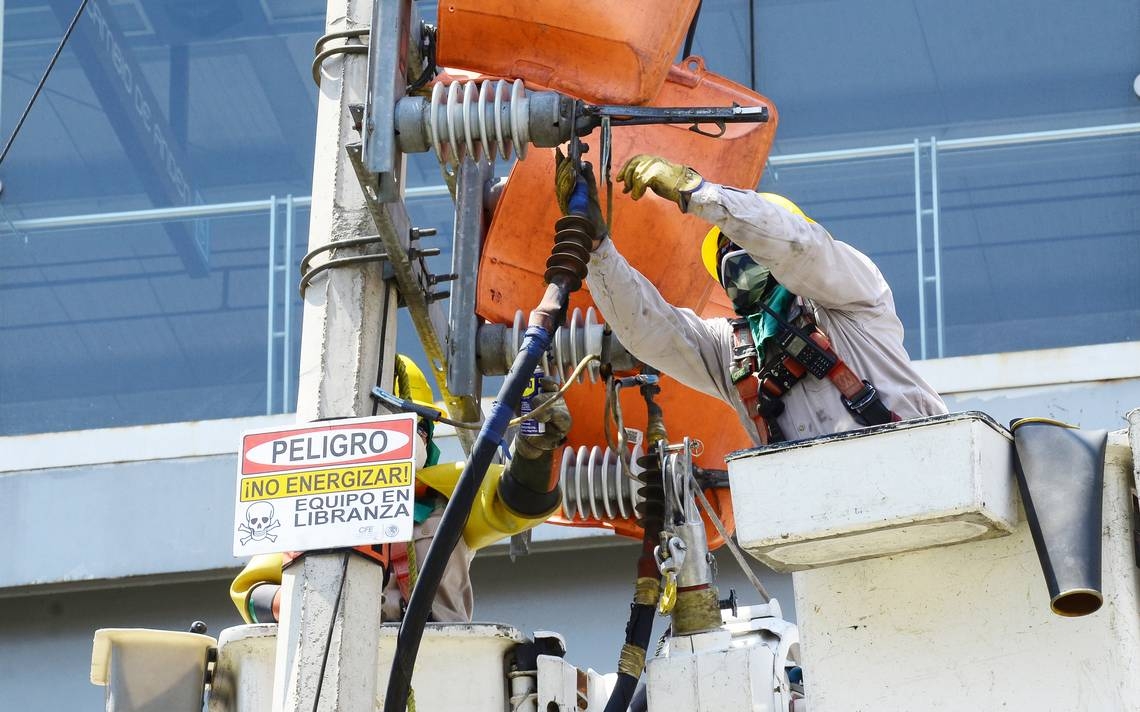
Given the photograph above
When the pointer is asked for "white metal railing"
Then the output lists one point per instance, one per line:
(285, 292)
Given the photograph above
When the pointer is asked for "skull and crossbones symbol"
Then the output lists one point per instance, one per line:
(259, 522)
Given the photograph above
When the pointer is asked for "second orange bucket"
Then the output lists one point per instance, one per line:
(661, 242)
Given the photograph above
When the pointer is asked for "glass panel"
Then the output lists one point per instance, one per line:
(159, 104)
(152, 106)
(1041, 245)
(868, 204)
(971, 67)
(173, 105)
(104, 327)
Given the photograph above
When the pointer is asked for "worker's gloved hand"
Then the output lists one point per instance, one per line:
(564, 181)
(556, 417)
(671, 181)
(529, 485)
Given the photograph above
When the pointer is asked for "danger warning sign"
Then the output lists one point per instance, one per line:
(347, 483)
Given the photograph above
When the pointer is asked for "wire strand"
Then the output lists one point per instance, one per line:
(319, 60)
(43, 80)
(558, 395)
(329, 635)
(338, 262)
(732, 546)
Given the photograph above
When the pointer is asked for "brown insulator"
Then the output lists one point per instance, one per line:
(566, 268)
(651, 508)
(570, 258)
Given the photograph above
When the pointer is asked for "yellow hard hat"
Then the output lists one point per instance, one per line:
(411, 384)
(711, 244)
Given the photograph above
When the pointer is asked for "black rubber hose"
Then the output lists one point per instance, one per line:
(651, 516)
(623, 691)
(637, 633)
(640, 701)
(535, 342)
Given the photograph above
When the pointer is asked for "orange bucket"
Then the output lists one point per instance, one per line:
(597, 50)
(654, 236)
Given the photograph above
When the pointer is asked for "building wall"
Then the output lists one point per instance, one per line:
(145, 543)
(989, 175)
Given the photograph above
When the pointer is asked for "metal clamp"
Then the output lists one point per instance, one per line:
(669, 564)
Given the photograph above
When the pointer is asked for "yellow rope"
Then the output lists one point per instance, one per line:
(632, 660)
(647, 591)
(403, 382)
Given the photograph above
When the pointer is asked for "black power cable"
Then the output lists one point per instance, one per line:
(455, 514)
(752, 45)
(43, 79)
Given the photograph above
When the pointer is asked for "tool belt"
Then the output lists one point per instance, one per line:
(788, 358)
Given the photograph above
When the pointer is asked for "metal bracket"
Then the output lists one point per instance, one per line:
(389, 44)
(413, 282)
(463, 375)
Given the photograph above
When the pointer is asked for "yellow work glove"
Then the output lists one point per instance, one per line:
(671, 181)
(564, 181)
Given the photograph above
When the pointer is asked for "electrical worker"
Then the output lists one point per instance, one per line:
(817, 347)
(513, 499)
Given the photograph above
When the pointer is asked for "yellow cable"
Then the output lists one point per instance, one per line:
(632, 660)
(539, 410)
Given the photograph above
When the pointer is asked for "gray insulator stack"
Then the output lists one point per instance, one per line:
(580, 336)
(481, 120)
(595, 487)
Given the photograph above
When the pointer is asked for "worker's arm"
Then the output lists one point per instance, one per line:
(255, 588)
(801, 254)
(673, 340)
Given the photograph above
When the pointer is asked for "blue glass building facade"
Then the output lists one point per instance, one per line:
(155, 204)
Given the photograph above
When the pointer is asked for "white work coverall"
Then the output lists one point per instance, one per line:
(851, 301)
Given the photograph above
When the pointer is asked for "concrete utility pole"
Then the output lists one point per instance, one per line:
(347, 344)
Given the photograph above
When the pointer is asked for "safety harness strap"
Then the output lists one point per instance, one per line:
(398, 567)
(761, 388)
(394, 558)
(756, 402)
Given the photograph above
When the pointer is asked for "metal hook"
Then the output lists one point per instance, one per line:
(696, 128)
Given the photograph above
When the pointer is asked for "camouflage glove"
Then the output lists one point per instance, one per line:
(671, 181)
(564, 182)
(557, 421)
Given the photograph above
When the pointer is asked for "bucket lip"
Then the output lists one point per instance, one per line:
(1018, 422)
(976, 416)
(1068, 592)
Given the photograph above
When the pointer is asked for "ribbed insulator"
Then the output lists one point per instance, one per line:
(478, 119)
(651, 508)
(580, 336)
(570, 256)
(595, 487)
